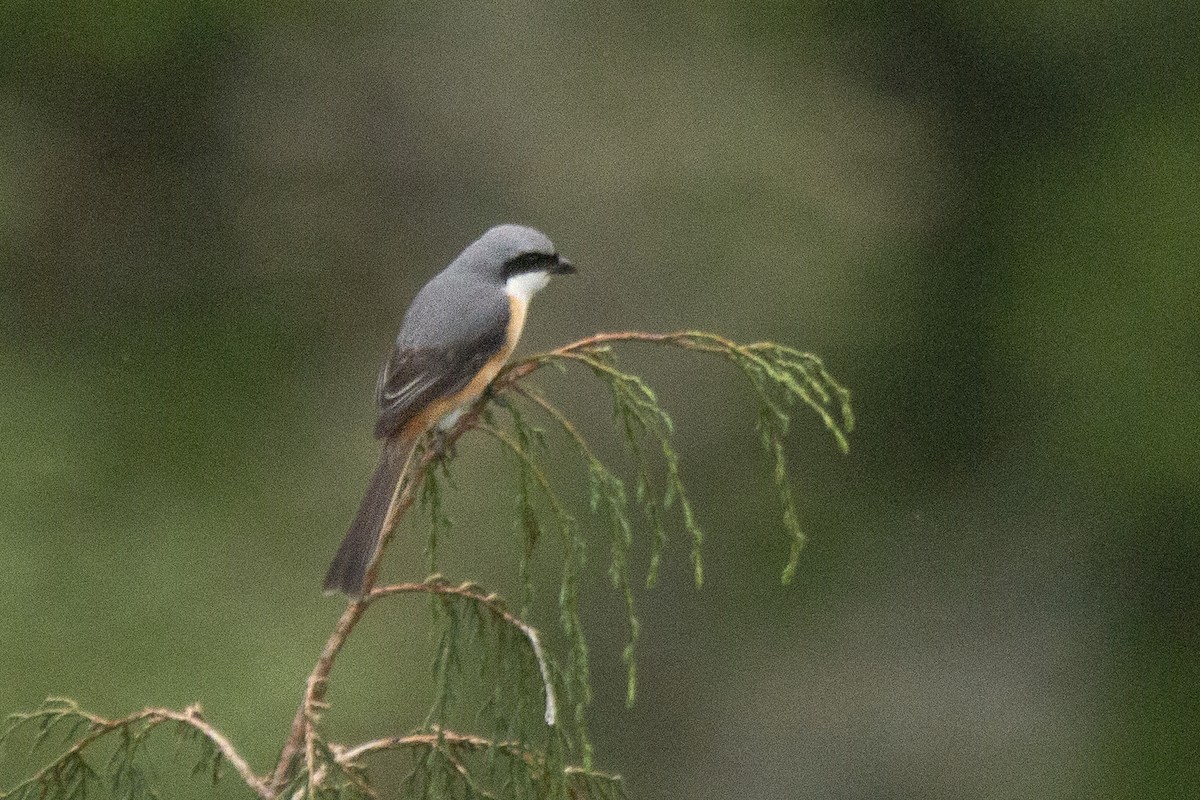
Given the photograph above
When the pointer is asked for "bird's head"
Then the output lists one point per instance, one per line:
(520, 258)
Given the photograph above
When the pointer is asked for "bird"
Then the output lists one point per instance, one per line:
(456, 336)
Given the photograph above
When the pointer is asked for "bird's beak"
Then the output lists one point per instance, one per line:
(562, 267)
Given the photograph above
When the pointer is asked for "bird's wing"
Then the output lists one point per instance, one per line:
(415, 376)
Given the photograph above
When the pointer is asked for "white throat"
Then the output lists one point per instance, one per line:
(526, 285)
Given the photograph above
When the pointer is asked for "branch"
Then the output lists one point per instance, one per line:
(302, 734)
(705, 342)
(347, 756)
(98, 726)
(779, 376)
(493, 604)
(411, 476)
(303, 723)
(689, 340)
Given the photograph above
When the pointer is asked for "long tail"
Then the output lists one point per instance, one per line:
(348, 571)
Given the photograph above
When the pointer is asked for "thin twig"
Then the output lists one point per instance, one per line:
(347, 756)
(192, 716)
(686, 339)
(559, 417)
(492, 603)
(538, 474)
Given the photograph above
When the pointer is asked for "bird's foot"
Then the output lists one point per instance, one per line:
(443, 446)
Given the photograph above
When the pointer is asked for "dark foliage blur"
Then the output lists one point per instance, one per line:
(212, 215)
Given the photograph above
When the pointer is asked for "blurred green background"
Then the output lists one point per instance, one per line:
(983, 215)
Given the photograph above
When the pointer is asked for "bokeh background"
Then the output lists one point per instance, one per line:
(983, 216)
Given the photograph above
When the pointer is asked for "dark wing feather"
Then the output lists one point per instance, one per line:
(414, 377)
